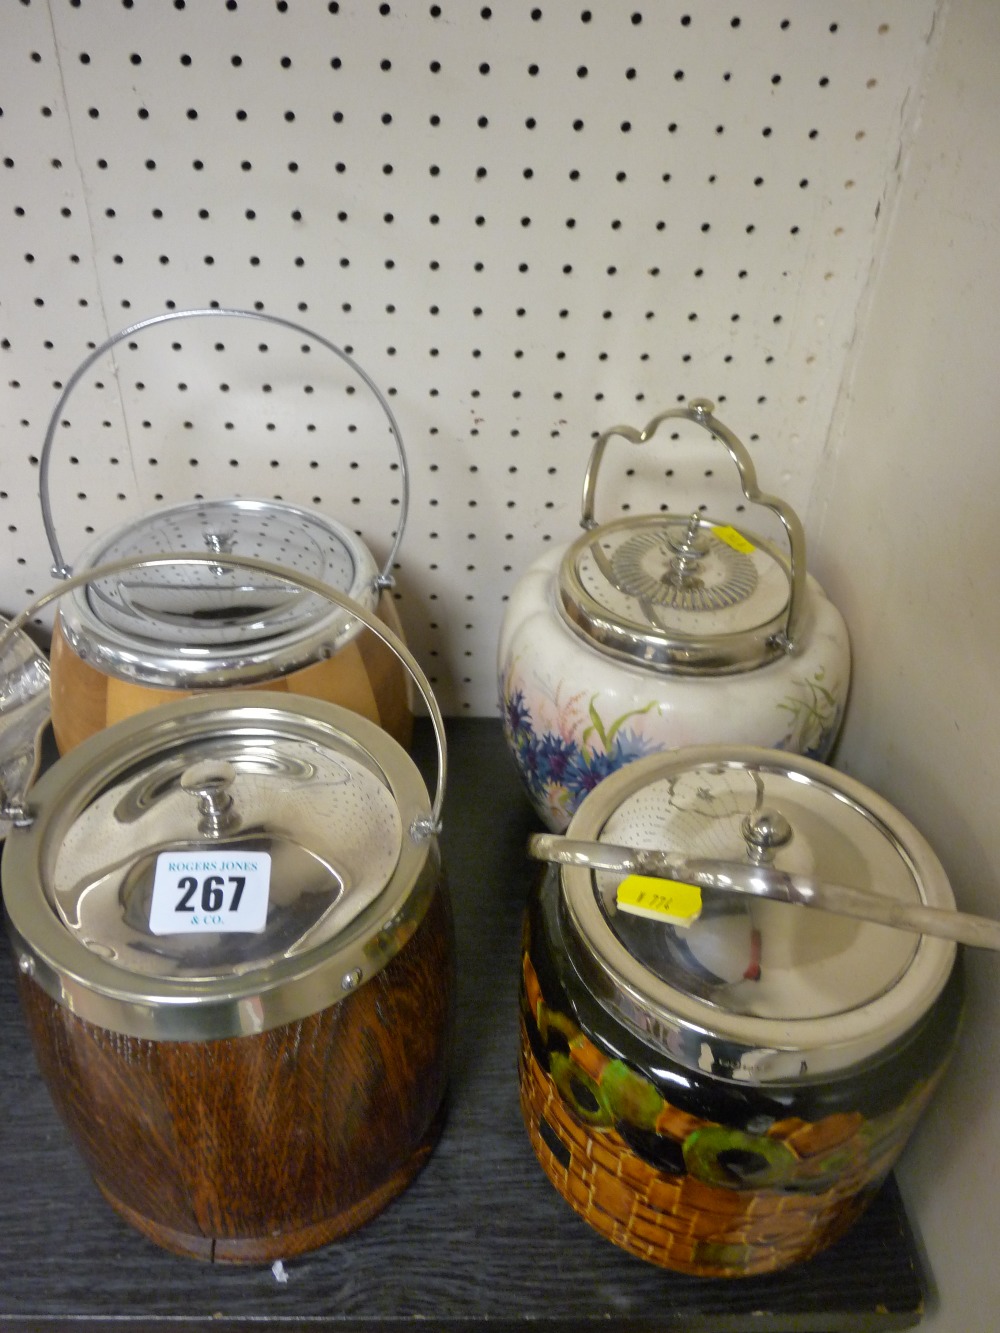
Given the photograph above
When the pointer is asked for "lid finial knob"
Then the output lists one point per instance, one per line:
(765, 832)
(686, 553)
(210, 781)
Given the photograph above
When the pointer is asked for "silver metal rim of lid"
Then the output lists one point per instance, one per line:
(115, 652)
(642, 643)
(702, 1036)
(177, 1009)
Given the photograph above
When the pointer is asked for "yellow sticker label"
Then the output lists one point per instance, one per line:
(734, 539)
(661, 899)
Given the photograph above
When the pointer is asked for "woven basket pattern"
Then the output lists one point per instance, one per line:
(830, 1170)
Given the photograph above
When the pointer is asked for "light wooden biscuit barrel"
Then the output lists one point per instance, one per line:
(134, 640)
(362, 676)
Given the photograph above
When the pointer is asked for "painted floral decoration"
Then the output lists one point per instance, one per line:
(815, 717)
(560, 759)
(564, 746)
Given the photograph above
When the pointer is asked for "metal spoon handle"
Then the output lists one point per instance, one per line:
(767, 882)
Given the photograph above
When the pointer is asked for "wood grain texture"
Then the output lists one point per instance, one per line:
(480, 1242)
(254, 1148)
(365, 676)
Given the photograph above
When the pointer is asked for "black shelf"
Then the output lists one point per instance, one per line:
(480, 1241)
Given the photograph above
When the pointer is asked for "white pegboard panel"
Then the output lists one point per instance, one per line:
(527, 222)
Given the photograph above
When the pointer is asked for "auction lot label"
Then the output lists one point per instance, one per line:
(208, 891)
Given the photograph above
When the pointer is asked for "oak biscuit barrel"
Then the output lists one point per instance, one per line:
(252, 1148)
(723, 1092)
(235, 957)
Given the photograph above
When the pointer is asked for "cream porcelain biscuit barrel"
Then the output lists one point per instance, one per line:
(657, 631)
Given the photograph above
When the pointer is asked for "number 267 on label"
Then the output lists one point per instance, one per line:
(203, 894)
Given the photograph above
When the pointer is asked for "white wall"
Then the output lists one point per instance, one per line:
(528, 221)
(906, 536)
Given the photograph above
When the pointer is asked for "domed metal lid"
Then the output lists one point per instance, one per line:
(739, 985)
(211, 869)
(176, 623)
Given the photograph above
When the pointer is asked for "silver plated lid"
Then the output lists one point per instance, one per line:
(753, 989)
(684, 595)
(176, 625)
(212, 869)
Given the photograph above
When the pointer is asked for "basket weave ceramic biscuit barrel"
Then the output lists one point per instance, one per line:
(724, 1097)
(235, 958)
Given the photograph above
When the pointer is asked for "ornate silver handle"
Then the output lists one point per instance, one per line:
(421, 828)
(765, 881)
(61, 570)
(24, 715)
(700, 411)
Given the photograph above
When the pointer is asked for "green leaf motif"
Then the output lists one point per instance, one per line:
(607, 735)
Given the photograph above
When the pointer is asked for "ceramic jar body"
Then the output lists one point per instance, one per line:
(573, 714)
(694, 1172)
